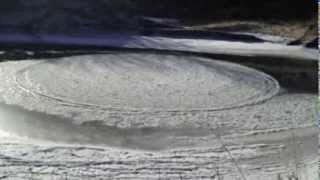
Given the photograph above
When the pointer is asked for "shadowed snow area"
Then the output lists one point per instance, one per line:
(163, 43)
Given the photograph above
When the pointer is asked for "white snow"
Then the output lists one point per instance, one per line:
(148, 82)
(149, 116)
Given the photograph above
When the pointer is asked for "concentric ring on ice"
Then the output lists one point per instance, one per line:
(147, 82)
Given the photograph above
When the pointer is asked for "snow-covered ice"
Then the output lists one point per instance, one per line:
(147, 83)
(151, 116)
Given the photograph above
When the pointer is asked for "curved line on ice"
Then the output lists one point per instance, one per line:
(269, 93)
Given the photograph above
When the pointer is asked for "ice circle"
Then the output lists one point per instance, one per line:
(147, 82)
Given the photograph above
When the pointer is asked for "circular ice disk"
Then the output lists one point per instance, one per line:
(147, 82)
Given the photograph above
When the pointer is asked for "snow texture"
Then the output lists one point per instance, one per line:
(151, 116)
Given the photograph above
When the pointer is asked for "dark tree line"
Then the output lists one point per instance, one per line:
(179, 8)
(221, 9)
(59, 15)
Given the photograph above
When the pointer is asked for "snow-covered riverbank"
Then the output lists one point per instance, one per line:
(161, 43)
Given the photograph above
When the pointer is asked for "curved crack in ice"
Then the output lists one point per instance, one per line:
(147, 83)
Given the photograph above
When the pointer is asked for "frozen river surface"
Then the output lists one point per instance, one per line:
(151, 116)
